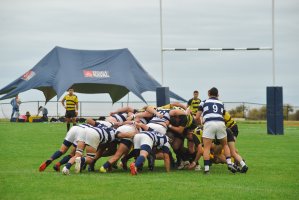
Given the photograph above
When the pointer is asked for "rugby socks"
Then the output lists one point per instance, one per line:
(228, 161)
(207, 165)
(65, 159)
(48, 162)
(82, 162)
(68, 165)
(68, 125)
(242, 163)
(139, 161)
(107, 165)
(56, 155)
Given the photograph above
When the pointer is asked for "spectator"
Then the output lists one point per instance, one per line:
(15, 103)
(27, 116)
(44, 112)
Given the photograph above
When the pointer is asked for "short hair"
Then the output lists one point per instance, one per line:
(71, 88)
(195, 91)
(213, 91)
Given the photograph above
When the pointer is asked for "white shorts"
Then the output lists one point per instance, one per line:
(141, 139)
(214, 129)
(126, 129)
(92, 138)
(73, 133)
(158, 127)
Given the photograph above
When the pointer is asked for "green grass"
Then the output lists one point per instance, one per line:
(273, 170)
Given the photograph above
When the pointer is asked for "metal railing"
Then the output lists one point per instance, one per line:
(246, 110)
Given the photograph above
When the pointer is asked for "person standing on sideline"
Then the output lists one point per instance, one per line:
(71, 107)
(44, 112)
(211, 112)
(194, 103)
(15, 103)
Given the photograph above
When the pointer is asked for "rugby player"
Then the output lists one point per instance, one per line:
(211, 113)
(144, 142)
(71, 107)
(69, 140)
(193, 103)
(90, 140)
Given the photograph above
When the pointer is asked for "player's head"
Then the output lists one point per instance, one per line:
(71, 91)
(195, 94)
(213, 92)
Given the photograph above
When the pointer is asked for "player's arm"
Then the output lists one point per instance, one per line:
(143, 114)
(166, 158)
(62, 102)
(142, 126)
(189, 103)
(177, 104)
(123, 109)
(176, 112)
(179, 129)
(77, 104)
(198, 116)
(154, 112)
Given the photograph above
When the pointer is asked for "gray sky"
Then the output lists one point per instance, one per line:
(31, 28)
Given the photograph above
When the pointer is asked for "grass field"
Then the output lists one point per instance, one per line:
(273, 170)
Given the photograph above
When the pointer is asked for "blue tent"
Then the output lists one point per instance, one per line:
(88, 71)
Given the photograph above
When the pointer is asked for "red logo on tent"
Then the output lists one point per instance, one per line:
(28, 75)
(87, 73)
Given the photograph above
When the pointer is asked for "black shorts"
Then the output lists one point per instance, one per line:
(230, 135)
(235, 130)
(70, 114)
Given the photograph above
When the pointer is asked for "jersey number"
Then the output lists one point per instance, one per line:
(215, 108)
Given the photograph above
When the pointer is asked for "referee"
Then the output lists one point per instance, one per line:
(71, 107)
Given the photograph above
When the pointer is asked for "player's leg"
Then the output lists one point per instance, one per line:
(64, 147)
(80, 161)
(123, 148)
(68, 125)
(237, 157)
(222, 136)
(207, 142)
(79, 152)
(198, 153)
(74, 121)
(145, 144)
(207, 137)
(65, 159)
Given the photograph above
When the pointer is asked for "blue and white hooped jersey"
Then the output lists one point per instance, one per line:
(212, 110)
(120, 117)
(159, 140)
(106, 134)
(165, 118)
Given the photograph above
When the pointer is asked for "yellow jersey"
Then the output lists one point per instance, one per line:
(71, 102)
(229, 122)
(193, 105)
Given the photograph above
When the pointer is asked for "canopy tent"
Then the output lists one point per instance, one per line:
(88, 71)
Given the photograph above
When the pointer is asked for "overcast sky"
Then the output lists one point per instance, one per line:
(30, 29)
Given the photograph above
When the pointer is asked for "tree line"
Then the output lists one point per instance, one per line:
(242, 111)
